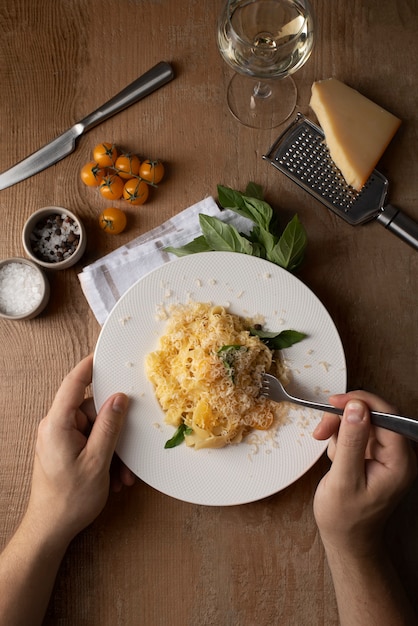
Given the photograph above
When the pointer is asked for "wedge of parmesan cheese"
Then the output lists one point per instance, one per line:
(357, 131)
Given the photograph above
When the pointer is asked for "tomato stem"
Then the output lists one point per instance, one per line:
(108, 224)
(139, 178)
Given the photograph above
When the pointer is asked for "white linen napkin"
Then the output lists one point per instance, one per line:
(106, 280)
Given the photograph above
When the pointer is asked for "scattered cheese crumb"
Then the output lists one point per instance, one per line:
(161, 313)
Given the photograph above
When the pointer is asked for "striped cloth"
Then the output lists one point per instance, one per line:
(106, 280)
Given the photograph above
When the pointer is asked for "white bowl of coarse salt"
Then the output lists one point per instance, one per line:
(24, 289)
(54, 238)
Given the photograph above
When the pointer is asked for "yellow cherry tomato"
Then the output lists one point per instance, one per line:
(113, 220)
(152, 171)
(92, 174)
(105, 154)
(127, 165)
(136, 191)
(111, 187)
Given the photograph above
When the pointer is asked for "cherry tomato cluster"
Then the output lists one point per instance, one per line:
(120, 175)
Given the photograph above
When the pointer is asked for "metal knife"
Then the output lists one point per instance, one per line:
(63, 145)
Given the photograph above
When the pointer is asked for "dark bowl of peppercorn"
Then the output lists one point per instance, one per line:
(54, 238)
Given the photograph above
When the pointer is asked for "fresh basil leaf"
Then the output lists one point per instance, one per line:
(228, 354)
(258, 248)
(230, 198)
(258, 211)
(253, 208)
(197, 245)
(265, 239)
(258, 251)
(178, 436)
(223, 237)
(280, 340)
(230, 347)
(289, 251)
(254, 191)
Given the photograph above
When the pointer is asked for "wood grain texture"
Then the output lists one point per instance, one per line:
(150, 560)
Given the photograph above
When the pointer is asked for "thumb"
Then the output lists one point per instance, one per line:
(349, 459)
(107, 426)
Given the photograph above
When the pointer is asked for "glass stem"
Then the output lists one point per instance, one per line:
(262, 90)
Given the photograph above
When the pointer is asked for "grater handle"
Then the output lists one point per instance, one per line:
(400, 224)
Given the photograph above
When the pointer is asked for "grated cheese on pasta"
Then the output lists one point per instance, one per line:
(194, 384)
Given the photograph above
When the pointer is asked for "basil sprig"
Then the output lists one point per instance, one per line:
(265, 241)
(278, 341)
(178, 436)
(228, 354)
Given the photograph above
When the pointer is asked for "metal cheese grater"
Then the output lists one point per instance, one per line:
(301, 153)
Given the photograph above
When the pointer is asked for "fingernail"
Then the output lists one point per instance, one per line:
(120, 403)
(354, 412)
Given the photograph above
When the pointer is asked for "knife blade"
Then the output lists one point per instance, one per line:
(63, 145)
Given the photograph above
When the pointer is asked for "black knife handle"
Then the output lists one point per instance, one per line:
(400, 224)
(155, 78)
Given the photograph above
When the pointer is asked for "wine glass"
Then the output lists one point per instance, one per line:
(264, 41)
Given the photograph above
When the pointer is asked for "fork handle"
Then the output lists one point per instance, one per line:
(407, 426)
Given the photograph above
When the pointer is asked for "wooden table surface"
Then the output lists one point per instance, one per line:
(150, 560)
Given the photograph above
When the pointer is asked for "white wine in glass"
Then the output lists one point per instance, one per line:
(264, 41)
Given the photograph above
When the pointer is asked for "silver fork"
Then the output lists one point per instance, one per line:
(408, 426)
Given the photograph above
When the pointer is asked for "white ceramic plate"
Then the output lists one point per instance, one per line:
(249, 286)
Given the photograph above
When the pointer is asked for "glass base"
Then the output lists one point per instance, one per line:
(261, 104)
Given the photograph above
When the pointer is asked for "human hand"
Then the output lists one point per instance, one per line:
(371, 469)
(74, 457)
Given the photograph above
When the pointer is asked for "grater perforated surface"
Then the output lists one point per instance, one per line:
(301, 153)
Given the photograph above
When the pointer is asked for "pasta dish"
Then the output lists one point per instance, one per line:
(207, 375)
